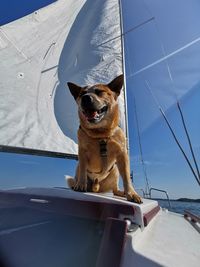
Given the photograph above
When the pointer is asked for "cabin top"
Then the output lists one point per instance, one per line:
(89, 205)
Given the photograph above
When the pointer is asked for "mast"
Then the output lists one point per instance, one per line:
(124, 71)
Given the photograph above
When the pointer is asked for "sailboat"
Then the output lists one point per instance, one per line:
(156, 46)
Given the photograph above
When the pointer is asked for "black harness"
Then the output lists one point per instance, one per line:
(103, 148)
(103, 153)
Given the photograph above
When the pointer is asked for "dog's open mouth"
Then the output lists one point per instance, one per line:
(95, 116)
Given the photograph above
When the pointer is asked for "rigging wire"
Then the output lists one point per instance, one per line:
(173, 133)
(189, 140)
(128, 31)
(180, 110)
(165, 59)
(177, 102)
(141, 152)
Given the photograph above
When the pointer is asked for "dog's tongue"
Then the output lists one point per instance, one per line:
(91, 114)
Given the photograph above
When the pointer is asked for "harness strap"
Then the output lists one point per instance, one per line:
(103, 148)
(101, 171)
(104, 154)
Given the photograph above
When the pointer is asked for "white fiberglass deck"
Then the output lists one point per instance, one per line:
(169, 240)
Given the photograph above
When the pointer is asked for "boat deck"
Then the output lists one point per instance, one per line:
(169, 240)
(40, 226)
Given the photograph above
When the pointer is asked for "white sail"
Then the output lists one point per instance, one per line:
(65, 41)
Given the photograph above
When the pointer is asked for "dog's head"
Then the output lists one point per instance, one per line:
(97, 104)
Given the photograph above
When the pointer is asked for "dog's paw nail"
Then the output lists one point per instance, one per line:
(134, 198)
(80, 188)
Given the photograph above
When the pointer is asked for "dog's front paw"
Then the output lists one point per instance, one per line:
(80, 186)
(133, 197)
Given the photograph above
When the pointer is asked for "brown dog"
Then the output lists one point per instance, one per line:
(102, 145)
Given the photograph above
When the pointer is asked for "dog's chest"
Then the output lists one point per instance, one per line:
(101, 155)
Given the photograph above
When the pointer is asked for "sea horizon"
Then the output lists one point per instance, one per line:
(180, 206)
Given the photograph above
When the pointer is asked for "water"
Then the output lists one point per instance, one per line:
(180, 207)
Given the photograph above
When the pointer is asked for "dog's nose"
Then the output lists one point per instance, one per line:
(86, 100)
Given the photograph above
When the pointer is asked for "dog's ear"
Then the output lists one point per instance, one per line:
(116, 84)
(74, 89)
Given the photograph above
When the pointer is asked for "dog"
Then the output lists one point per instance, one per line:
(102, 151)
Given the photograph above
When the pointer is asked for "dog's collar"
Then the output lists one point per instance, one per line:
(100, 134)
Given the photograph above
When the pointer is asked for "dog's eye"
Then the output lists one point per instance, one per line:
(98, 92)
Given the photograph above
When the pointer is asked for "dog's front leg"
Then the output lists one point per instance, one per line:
(124, 170)
(81, 173)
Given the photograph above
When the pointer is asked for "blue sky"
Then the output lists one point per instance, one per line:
(163, 56)
(12, 10)
(165, 166)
